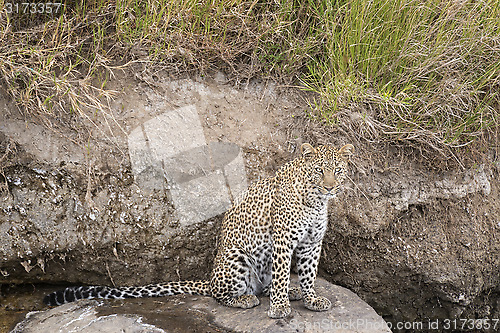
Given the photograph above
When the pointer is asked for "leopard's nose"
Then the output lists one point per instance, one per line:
(329, 189)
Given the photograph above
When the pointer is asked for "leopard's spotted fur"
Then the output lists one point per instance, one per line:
(277, 216)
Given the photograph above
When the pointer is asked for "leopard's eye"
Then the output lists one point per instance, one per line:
(319, 170)
(337, 170)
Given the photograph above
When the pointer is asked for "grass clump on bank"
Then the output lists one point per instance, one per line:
(426, 71)
(403, 70)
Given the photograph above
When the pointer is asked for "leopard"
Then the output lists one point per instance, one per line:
(277, 218)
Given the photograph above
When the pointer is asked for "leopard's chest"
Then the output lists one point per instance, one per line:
(311, 225)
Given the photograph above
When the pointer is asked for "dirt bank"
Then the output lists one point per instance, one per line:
(415, 241)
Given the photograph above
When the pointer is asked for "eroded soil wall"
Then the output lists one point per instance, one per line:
(417, 243)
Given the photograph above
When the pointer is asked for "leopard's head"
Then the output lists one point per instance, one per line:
(326, 167)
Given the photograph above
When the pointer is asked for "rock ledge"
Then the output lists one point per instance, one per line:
(186, 313)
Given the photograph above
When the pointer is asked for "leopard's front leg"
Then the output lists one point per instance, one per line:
(280, 303)
(307, 266)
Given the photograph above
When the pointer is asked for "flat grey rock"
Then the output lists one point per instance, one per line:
(186, 313)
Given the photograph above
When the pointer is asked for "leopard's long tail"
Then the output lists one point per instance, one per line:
(71, 294)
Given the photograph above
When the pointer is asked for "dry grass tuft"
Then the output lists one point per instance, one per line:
(49, 68)
(422, 73)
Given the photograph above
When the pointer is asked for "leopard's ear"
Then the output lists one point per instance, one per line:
(346, 152)
(307, 151)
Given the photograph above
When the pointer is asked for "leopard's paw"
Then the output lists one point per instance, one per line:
(318, 303)
(247, 301)
(279, 311)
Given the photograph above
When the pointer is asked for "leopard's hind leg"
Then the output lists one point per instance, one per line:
(230, 282)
